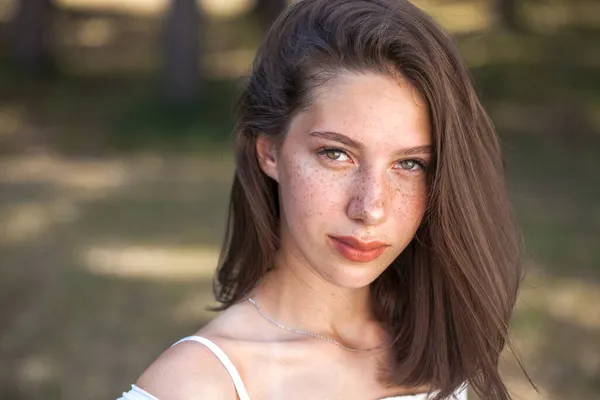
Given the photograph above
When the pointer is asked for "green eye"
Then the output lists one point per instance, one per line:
(408, 164)
(334, 154)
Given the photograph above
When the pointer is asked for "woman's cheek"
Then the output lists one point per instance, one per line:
(299, 189)
(314, 190)
(410, 203)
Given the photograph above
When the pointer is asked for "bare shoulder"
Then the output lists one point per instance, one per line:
(190, 370)
(187, 370)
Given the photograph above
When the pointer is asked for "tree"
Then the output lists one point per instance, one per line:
(268, 10)
(506, 14)
(30, 36)
(182, 52)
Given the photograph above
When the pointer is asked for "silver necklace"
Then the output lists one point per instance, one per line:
(310, 334)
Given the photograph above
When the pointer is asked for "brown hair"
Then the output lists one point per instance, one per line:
(447, 299)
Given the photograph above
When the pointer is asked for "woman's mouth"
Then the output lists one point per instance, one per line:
(356, 250)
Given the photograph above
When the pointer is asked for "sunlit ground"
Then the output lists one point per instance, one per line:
(218, 8)
(100, 258)
(106, 257)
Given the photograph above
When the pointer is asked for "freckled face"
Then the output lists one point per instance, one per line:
(345, 171)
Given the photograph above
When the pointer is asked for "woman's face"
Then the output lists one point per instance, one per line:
(352, 174)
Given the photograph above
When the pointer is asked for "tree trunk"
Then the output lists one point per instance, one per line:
(506, 14)
(268, 10)
(181, 52)
(30, 36)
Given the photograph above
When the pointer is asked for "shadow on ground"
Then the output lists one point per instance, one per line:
(102, 267)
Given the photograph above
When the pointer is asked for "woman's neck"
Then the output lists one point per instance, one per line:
(297, 297)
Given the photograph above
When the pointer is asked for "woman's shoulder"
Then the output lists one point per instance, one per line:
(192, 370)
(187, 370)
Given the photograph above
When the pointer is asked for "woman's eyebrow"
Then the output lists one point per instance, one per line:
(338, 137)
(410, 151)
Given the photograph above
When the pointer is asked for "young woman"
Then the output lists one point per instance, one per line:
(371, 251)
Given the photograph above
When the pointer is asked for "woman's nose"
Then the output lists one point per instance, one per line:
(369, 199)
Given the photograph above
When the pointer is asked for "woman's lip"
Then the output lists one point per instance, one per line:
(354, 254)
(359, 244)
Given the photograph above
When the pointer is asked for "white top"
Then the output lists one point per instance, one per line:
(139, 394)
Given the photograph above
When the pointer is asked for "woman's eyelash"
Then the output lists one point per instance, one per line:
(325, 150)
(422, 164)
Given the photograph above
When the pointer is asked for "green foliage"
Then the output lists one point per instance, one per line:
(147, 121)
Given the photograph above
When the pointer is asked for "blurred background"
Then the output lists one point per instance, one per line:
(115, 167)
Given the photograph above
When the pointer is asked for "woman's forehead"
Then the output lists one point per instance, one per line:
(367, 107)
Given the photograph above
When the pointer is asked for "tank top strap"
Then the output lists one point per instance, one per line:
(220, 354)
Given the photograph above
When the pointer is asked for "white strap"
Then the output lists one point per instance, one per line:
(137, 394)
(220, 354)
(462, 392)
(459, 394)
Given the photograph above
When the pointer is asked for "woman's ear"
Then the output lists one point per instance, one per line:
(266, 151)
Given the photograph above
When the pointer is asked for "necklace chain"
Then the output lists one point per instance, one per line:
(310, 334)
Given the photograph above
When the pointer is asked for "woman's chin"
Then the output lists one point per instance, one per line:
(354, 277)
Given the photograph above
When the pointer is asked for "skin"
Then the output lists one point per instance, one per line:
(328, 186)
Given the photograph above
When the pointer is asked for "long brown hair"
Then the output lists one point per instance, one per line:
(447, 299)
